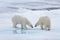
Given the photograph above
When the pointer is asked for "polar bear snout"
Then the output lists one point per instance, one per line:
(35, 25)
(31, 26)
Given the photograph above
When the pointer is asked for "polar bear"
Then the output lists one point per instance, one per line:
(44, 22)
(21, 20)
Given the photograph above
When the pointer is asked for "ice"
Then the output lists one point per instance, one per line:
(7, 32)
(8, 10)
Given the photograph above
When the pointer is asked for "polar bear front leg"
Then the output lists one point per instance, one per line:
(41, 26)
(25, 26)
(47, 27)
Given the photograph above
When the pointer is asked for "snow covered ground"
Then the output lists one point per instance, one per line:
(9, 8)
(8, 33)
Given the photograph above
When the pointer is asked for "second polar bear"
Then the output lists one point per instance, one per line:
(44, 22)
(21, 20)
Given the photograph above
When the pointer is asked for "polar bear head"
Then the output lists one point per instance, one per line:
(29, 24)
(37, 23)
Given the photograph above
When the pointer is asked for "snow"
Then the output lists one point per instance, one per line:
(7, 5)
(7, 32)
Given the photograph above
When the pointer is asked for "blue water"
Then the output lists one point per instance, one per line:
(27, 31)
(22, 31)
(16, 31)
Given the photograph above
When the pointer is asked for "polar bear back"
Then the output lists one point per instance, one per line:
(44, 20)
(18, 19)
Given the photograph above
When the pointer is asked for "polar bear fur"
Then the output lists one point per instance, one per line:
(21, 20)
(44, 22)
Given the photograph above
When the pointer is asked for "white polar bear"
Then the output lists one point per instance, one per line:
(44, 22)
(21, 20)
